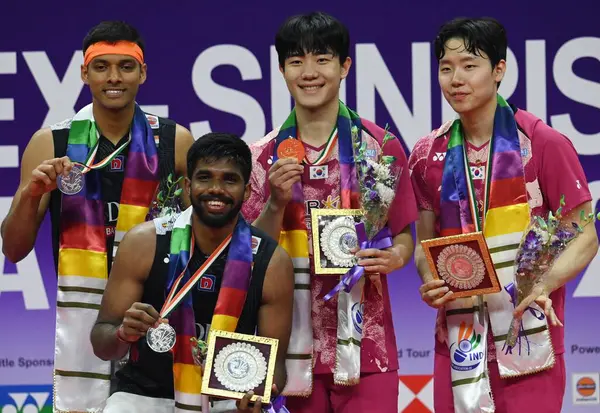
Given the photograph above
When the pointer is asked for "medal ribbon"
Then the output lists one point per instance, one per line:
(87, 167)
(174, 297)
(331, 141)
(478, 221)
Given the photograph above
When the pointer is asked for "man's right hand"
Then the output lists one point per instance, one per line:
(138, 319)
(43, 178)
(282, 176)
(435, 294)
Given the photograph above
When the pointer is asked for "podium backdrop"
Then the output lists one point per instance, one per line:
(213, 66)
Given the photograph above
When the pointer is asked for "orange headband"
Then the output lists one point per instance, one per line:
(121, 47)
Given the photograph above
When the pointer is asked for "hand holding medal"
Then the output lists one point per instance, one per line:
(74, 181)
(286, 171)
(44, 176)
(138, 319)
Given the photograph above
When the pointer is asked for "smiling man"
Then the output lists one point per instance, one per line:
(249, 287)
(518, 167)
(129, 155)
(346, 375)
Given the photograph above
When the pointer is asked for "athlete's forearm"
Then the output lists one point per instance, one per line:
(20, 227)
(270, 220)
(106, 342)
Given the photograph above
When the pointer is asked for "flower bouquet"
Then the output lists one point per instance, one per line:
(377, 180)
(377, 183)
(544, 241)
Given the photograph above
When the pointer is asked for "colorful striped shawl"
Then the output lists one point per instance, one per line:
(81, 379)
(232, 297)
(506, 187)
(507, 214)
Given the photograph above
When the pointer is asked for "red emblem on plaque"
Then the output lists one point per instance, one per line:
(461, 266)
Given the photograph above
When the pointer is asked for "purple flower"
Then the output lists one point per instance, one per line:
(374, 196)
(532, 241)
(563, 235)
(370, 182)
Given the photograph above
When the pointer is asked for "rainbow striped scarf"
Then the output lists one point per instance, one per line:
(507, 213)
(232, 297)
(294, 239)
(81, 380)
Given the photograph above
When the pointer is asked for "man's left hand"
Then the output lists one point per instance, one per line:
(380, 261)
(540, 296)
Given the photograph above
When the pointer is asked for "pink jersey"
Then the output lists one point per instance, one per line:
(551, 167)
(321, 187)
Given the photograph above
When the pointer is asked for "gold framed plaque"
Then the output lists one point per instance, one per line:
(237, 363)
(334, 236)
(464, 263)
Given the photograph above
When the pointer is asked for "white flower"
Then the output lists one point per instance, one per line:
(386, 194)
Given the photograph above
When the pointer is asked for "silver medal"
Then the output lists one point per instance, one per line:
(240, 367)
(162, 338)
(72, 183)
(338, 238)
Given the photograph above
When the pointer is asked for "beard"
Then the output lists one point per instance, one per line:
(215, 220)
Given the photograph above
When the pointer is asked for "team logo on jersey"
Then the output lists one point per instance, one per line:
(153, 121)
(207, 283)
(117, 164)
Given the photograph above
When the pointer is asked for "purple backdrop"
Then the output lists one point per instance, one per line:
(213, 66)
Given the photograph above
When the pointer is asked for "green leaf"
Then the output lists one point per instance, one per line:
(388, 137)
(582, 215)
(178, 192)
(598, 216)
(541, 222)
(559, 213)
(170, 178)
(160, 196)
(388, 159)
(562, 201)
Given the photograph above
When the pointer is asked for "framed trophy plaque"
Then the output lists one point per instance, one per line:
(334, 237)
(464, 262)
(237, 363)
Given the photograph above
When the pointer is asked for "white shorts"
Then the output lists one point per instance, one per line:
(121, 402)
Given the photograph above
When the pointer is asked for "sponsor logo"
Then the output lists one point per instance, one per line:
(207, 283)
(357, 317)
(439, 156)
(26, 399)
(585, 388)
(466, 354)
(255, 244)
(153, 121)
(117, 164)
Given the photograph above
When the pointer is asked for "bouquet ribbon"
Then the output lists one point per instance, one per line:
(277, 406)
(381, 240)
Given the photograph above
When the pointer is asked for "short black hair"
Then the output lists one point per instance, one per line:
(316, 32)
(112, 32)
(218, 146)
(483, 34)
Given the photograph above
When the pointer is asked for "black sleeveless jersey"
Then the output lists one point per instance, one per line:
(150, 374)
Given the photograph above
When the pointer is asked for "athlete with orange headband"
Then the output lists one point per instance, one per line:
(99, 173)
